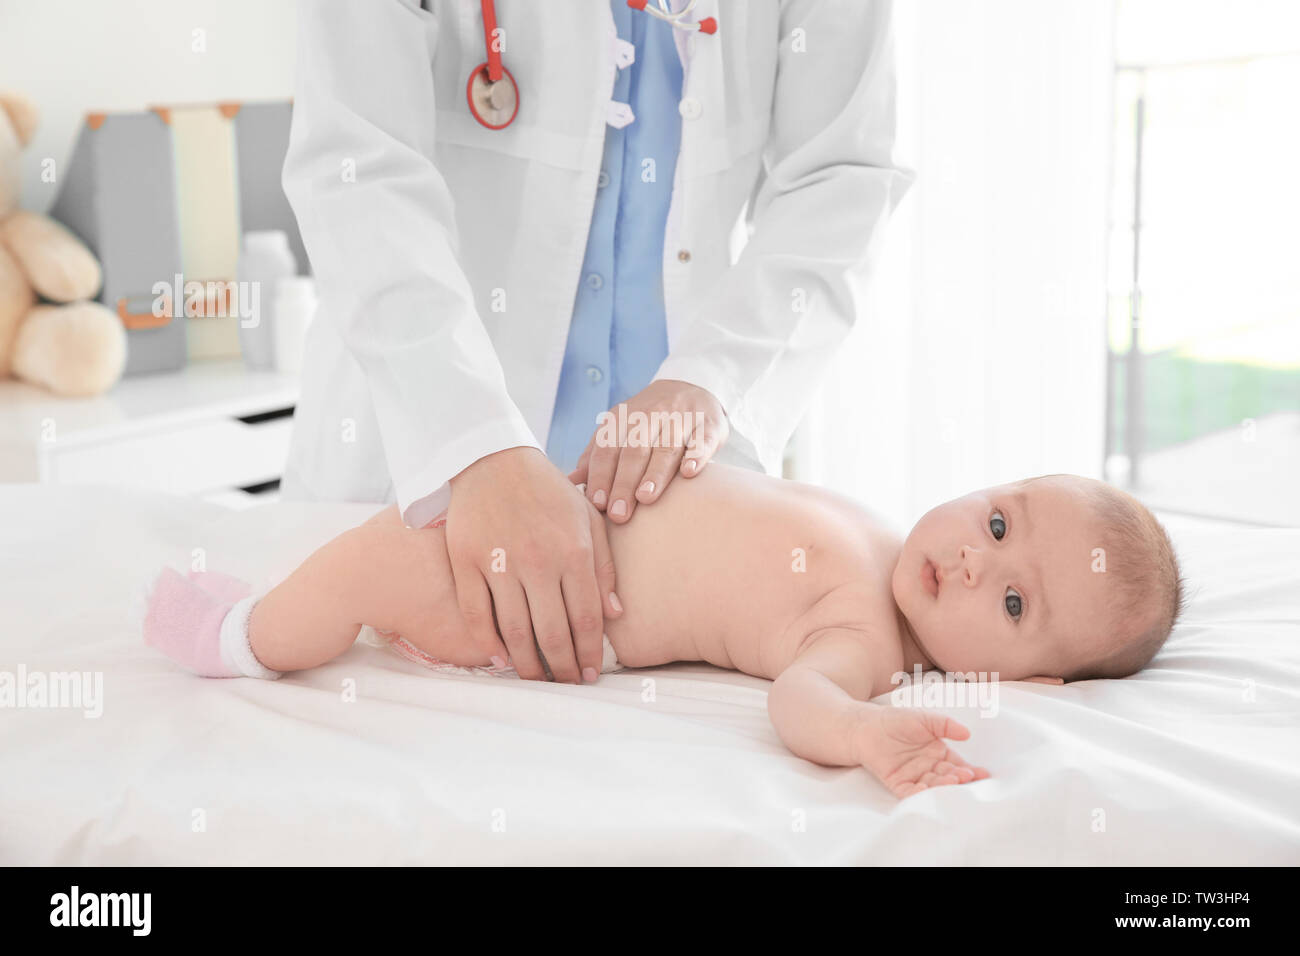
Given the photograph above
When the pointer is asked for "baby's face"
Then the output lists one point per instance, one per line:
(1002, 580)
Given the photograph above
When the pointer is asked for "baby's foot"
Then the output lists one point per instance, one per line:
(221, 586)
(202, 628)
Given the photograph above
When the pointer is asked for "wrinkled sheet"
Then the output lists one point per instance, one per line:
(373, 759)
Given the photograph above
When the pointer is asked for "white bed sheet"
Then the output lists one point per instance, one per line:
(1196, 760)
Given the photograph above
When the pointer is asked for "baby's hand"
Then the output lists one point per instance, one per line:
(905, 749)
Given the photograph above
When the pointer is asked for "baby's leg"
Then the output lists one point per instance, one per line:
(310, 617)
(380, 573)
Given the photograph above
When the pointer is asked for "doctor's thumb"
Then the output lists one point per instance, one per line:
(606, 577)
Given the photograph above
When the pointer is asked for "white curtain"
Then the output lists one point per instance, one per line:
(981, 356)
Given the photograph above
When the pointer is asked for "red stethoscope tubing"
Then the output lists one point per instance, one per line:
(494, 66)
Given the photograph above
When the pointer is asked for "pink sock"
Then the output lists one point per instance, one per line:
(221, 586)
(201, 622)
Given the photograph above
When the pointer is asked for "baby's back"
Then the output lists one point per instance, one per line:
(737, 569)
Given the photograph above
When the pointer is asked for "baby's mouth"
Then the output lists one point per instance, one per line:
(930, 578)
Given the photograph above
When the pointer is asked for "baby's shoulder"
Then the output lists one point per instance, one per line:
(865, 608)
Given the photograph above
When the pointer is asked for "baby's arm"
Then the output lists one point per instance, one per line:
(820, 708)
(380, 573)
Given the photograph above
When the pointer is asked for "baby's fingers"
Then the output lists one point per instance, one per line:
(962, 773)
(933, 779)
(977, 773)
(942, 726)
(944, 774)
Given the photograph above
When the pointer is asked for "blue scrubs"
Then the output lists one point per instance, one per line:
(618, 336)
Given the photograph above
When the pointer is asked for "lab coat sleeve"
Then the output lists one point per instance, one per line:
(761, 337)
(378, 223)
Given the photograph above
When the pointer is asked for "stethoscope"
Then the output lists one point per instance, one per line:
(492, 92)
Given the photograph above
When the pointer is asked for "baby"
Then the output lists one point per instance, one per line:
(1056, 578)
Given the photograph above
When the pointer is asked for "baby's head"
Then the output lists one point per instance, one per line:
(1052, 577)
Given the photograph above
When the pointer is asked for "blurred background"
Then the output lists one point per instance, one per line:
(1097, 270)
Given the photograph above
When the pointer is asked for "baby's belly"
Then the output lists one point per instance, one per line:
(716, 570)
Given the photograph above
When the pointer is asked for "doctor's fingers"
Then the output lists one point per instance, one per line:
(579, 474)
(456, 627)
(632, 462)
(515, 625)
(587, 624)
(601, 467)
(661, 470)
(702, 445)
(475, 603)
(603, 557)
(551, 625)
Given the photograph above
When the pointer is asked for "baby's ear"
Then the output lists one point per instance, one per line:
(1045, 680)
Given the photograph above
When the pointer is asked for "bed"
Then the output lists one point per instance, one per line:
(373, 759)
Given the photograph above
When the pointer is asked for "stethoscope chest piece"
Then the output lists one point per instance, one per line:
(493, 104)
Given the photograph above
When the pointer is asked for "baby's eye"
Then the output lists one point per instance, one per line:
(998, 525)
(1014, 603)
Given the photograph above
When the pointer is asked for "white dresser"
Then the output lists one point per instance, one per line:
(214, 430)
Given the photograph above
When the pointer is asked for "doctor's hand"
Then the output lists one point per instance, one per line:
(670, 428)
(523, 541)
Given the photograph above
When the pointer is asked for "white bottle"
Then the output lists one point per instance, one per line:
(295, 306)
(264, 260)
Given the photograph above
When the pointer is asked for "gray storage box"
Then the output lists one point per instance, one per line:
(118, 196)
(261, 143)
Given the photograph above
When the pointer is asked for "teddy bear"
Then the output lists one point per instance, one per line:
(68, 344)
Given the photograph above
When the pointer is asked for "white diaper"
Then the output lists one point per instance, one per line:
(372, 638)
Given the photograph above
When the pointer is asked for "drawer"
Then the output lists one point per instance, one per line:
(199, 457)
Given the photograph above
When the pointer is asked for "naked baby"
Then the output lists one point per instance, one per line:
(1055, 578)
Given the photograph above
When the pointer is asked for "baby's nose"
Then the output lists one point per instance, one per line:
(972, 564)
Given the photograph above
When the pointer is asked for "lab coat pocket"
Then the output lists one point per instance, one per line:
(553, 56)
(729, 78)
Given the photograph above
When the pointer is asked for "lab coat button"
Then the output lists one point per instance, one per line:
(684, 255)
(624, 53)
(594, 280)
(602, 180)
(690, 108)
(618, 114)
(594, 375)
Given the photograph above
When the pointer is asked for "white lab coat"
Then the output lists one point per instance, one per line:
(447, 255)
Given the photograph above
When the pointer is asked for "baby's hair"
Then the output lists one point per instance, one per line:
(1142, 567)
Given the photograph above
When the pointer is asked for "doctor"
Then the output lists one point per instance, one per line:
(519, 216)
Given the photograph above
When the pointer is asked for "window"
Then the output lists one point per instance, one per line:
(1203, 396)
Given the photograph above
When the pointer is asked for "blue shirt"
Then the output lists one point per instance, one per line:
(618, 336)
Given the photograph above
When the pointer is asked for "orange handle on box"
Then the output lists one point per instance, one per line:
(221, 303)
(142, 320)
